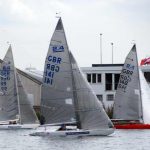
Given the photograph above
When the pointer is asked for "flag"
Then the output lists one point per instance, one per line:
(145, 61)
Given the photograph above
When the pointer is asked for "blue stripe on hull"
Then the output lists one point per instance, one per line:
(77, 133)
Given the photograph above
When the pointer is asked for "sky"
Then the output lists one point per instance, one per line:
(28, 26)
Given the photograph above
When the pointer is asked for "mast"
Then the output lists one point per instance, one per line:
(75, 96)
(73, 85)
(17, 95)
(16, 85)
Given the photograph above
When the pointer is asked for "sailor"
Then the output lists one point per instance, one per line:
(62, 127)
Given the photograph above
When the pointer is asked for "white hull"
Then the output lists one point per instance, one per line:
(18, 126)
(74, 133)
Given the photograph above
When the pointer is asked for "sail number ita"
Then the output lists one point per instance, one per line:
(52, 67)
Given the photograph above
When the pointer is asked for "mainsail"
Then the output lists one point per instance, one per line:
(66, 95)
(8, 95)
(127, 103)
(57, 93)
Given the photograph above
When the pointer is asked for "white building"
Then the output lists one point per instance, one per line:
(103, 78)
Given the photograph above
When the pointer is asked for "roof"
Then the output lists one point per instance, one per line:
(107, 65)
(30, 76)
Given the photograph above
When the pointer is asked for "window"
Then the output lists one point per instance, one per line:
(94, 78)
(110, 97)
(98, 78)
(100, 97)
(147, 76)
(117, 76)
(108, 81)
(89, 78)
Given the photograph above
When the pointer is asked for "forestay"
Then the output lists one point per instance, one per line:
(127, 103)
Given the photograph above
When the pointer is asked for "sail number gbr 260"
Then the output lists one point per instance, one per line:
(52, 67)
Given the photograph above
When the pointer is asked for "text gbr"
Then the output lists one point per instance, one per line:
(52, 67)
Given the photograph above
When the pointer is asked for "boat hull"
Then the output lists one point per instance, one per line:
(18, 126)
(74, 133)
(132, 126)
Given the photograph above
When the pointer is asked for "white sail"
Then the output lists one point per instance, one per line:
(8, 95)
(27, 114)
(88, 107)
(57, 93)
(14, 104)
(145, 92)
(127, 103)
(66, 94)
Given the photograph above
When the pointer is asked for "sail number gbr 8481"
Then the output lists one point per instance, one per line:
(52, 67)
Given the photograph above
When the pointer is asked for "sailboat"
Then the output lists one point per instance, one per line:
(15, 109)
(67, 98)
(132, 96)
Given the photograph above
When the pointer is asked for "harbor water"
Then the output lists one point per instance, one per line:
(120, 140)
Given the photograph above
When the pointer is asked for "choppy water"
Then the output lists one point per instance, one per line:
(120, 140)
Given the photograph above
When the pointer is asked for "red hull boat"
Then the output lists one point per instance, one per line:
(132, 126)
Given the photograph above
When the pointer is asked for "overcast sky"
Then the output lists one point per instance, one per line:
(28, 25)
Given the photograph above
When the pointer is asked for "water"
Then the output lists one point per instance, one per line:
(120, 140)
